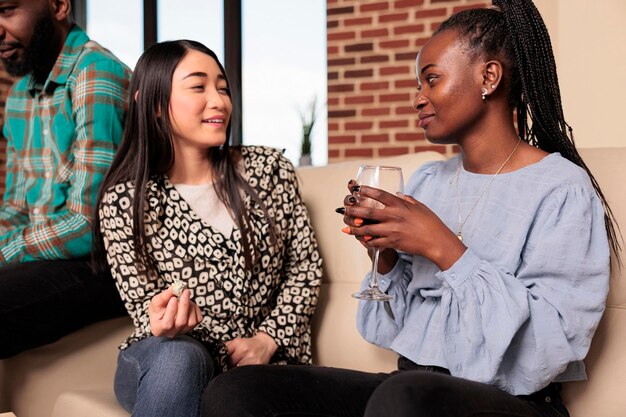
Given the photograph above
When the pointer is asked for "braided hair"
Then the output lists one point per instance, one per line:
(514, 33)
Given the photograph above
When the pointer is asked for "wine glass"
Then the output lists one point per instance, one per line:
(388, 179)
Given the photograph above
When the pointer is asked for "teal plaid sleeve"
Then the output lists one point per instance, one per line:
(11, 215)
(58, 206)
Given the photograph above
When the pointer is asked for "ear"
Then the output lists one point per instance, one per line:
(61, 9)
(492, 76)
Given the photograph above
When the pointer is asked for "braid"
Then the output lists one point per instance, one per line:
(517, 36)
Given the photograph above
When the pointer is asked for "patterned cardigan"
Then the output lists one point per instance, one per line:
(277, 297)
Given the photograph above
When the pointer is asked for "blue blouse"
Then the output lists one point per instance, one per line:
(519, 308)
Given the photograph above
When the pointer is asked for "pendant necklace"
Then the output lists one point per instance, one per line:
(461, 221)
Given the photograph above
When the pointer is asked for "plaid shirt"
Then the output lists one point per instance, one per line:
(62, 137)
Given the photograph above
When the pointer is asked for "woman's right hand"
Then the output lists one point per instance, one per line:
(171, 316)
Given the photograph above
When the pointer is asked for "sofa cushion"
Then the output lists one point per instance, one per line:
(85, 359)
(82, 403)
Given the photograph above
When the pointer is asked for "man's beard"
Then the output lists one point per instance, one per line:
(37, 52)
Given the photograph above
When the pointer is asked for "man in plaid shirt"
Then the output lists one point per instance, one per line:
(63, 122)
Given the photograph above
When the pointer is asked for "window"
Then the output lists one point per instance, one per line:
(283, 57)
(198, 20)
(118, 26)
(283, 70)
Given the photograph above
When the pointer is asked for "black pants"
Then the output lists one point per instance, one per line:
(299, 391)
(40, 302)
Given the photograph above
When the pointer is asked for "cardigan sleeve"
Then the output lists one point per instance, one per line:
(289, 321)
(135, 285)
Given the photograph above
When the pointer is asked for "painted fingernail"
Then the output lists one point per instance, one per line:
(367, 238)
(352, 199)
(340, 210)
(358, 221)
(346, 230)
(355, 188)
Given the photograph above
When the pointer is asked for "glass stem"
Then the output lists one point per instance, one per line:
(374, 276)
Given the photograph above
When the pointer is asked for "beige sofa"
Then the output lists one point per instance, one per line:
(73, 377)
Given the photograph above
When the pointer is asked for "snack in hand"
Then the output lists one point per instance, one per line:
(178, 287)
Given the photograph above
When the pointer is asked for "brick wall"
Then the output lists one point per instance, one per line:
(372, 46)
(5, 83)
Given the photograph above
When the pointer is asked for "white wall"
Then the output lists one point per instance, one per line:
(589, 41)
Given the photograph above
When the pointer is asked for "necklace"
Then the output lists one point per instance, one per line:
(459, 232)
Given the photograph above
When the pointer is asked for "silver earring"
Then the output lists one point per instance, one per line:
(484, 93)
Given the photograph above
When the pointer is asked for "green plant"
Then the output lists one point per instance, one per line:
(308, 121)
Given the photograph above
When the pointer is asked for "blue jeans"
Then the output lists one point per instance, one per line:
(158, 376)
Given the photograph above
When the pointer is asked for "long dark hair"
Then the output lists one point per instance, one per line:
(147, 151)
(516, 35)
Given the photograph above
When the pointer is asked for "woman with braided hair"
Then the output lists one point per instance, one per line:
(497, 260)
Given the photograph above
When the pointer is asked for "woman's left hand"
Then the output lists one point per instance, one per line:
(255, 350)
(406, 225)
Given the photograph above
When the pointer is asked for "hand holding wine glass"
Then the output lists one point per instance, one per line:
(388, 179)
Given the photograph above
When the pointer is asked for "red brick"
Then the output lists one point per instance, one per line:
(342, 139)
(434, 26)
(359, 100)
(359, 125)
(406, 56)
(332, 24)
(394, 17)
(406, 110)
(374, 6)
(333, 153)
(409, 137)
(374, 58)
(358, 21)
(434, 148)
(405, 83)
(332, 114)
(361, 152)
(339, 10)
(341, 61)
(469, 7)
(332, 76)
(359, 73)
(358, 47)
(380, 85)
(333, 127)
(385, 98)
(395, 44)
(374, 33)
(400, 30)
(393, 151)
(420, 14)
(376, 112)
(408, 3)
(332, 50)
(341, 36)
(394, 70)
(375, 138)
(340, 88)
(388, 124)
(333, 101)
